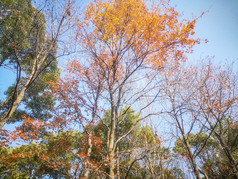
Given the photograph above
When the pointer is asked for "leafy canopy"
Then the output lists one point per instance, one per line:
(22, 37)
(151, 31)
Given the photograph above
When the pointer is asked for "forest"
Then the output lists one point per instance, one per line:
(105, 89)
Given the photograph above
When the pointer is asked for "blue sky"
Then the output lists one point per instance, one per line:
(219, 26)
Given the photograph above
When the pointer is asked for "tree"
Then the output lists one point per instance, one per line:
(30, 51)
(179, 91)
(217, 100)
(128, 42)
(78, 94)
(45, 151)
(203, 103)
(49, 151)
(212, 158)
(138, 155)
(198, 142)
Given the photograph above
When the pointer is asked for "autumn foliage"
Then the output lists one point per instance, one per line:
(129, 72)
(156, 33)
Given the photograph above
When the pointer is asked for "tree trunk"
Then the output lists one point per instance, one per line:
(188, 147)
(111, 144)
(34, 73)
(16, 103)
(193, 162)
(111, 165)
(89, 151)
(118, 164)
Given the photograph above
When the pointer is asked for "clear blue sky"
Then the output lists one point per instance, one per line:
(219, 26)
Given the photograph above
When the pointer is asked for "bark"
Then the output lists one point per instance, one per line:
(89, 151)
(192, 159)
(188, 147)
(13, 108)
(111, 164)
(111, 147)
(118, 164)
(90, 132)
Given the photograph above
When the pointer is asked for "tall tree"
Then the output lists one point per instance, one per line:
(202, 100)
(130, 42)
(28, 40)
(180, 88)
(217, 100)
(78, 94)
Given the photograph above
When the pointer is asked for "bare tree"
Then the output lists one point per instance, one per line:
(217, 99)
(180, 89)
(203, 104)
